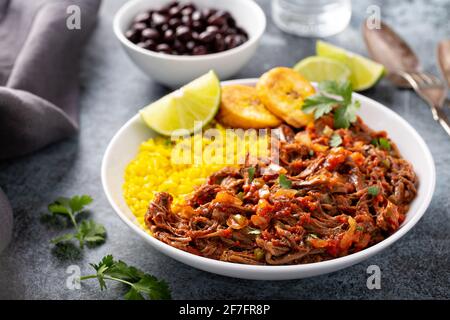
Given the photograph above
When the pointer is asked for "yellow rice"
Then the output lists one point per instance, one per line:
(154, 169)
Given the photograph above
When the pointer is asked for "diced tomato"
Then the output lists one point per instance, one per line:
(358, 158)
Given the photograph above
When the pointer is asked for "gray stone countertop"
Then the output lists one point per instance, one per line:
(113, 89)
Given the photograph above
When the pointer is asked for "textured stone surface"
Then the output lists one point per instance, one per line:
(417, 266)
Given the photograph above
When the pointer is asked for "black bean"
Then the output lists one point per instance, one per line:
(174, 22)
(234, 40)
(196, 16)
(230, 41)
(132, 35)
(169, 6)
(190, 45)
(163, 47)
(149, 44)
(198, 25)
(158, 19)
(174, 12)
(208, 12)
(216, 20)
(189, 5)
(207, 36)
(179, 46)
(212, 29)
(183, 33)
(139, 26)
(195, 35)
(219, 43)
(142, 17)
(187, 11)
(169, 35)
(165, 27)
(186, 20)
(199, 50)
(150, 33)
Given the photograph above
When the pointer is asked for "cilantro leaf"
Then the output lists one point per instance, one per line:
(385, 144)
(251, 174)
(319, 105)
(141, 284)
(284, 181)
(77, 203)
(63, 238)
(133, 294)
(373, 190)
(152, 287)
(335, 140)
(341, 89)
(335, 96)
(382, 143)
(90, 232)
(345, 114)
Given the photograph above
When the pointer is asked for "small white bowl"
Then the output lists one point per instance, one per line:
(173, 70)
(124, 146)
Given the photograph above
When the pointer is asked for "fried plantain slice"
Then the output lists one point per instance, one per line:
(241, 108)
(283, 90)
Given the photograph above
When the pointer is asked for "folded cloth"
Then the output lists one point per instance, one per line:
(40, 47)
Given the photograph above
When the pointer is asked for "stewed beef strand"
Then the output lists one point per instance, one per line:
(184, 29)
(319, 202)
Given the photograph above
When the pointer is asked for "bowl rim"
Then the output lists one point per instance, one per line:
(131, 4)
(268, 271)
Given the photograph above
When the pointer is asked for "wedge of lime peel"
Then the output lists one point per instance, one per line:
(318, 69)
(365, 73)
(187, 109)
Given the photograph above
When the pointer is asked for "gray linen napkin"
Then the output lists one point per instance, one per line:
(40, 48)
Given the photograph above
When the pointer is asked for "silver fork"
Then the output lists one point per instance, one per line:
(431, 89)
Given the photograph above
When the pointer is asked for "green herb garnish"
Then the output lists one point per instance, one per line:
(333, 96)
(87, 231)
(335, 140)
(284, 181)
(141, 284)
(382, 143)
(385, 144)
(373, 190)
(251, 174)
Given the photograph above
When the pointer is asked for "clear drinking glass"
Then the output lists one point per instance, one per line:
(312, 18)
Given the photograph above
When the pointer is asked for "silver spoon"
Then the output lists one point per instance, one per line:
(387, 48)
(402, 64)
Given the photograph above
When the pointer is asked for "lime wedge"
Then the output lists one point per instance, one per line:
(365, 72)
(320, 68)
(189, 108)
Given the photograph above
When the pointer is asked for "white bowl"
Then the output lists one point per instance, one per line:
(175, 71)
(124, 145)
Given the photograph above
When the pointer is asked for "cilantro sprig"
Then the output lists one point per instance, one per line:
(382, 143)
(284, 182)
(333, 96)
(373, 190)
(141, 284)
(335, 140)
(87, 231)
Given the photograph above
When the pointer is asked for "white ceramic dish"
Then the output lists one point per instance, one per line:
(175, 71)
(124, 145)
